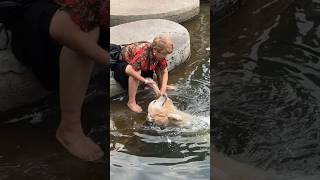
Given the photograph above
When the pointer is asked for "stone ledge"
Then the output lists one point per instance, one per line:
(18, 85)
(124, 11)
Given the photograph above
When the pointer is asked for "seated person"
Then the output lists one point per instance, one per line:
(136, 61)
(60, 40)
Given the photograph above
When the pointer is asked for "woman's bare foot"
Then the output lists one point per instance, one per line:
(134, 107)
(78, 144)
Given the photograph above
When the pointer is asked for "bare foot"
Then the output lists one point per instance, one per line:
(134, 107)
(79, 144)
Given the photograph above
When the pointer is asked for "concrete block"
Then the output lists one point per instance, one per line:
(18, 85)
(124, 11)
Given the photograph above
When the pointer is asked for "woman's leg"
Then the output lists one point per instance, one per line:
(75, 72)
(132, 91)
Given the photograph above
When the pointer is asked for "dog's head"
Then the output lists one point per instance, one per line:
(162, 112)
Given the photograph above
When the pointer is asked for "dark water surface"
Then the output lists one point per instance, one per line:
(266, 94)
(154, 154)
(29, 150)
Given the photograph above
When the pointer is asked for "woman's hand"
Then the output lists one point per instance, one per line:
(163, 92)
(153, 85)
(149, 82)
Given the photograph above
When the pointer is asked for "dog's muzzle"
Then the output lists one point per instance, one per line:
(149, 123)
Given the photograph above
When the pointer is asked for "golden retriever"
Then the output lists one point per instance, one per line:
(162, 112)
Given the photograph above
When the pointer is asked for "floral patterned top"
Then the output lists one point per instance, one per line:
(139, 56)
(88, 14)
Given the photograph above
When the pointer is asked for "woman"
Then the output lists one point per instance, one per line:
(139, 60)
(59, 41)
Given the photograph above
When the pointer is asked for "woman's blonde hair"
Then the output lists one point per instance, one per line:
(162, 44)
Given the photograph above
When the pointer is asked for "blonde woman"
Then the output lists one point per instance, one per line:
(58, 40)
(137, 61)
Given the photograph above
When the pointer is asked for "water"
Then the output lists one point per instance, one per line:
(29, 149)
(266, 88)
(152, 154)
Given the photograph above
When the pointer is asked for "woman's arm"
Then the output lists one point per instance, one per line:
(164, 82)
(65, 31)
(131, 72)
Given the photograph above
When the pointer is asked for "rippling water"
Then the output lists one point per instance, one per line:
(151, 154)
(266, 87)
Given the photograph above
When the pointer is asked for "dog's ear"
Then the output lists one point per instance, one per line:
(174, 117)
(168, 105)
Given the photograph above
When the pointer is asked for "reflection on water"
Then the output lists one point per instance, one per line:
(180, 153)
(266, 87)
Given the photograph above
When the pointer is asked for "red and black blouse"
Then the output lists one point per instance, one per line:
(139, 55)
(88, 14)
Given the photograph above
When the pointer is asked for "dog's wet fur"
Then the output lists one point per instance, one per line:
(163, 113)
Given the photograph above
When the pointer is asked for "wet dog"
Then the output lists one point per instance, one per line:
(162, 112)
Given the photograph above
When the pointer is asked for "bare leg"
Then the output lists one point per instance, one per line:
(75, 72)
(132, 91)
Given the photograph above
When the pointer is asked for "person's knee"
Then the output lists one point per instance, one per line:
(94, 33)
(129, 70)
(132, 80)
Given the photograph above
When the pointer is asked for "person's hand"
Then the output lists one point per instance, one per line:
(162, 93)
(153, 86)
(149, 82)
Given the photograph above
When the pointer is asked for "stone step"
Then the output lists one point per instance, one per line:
(18, 85)
(124, 11)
